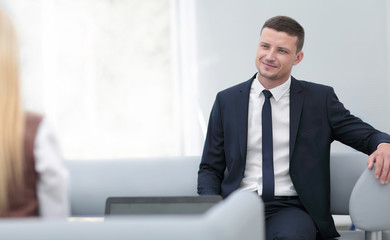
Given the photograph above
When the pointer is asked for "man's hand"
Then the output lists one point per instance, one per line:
(382, 159)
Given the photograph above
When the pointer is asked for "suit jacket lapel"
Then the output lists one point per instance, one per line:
(296, 103)
(242, 116)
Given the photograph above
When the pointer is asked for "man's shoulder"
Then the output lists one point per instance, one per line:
(311, 86)
(238, 88)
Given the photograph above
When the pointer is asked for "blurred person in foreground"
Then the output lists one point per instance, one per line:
(33, 177)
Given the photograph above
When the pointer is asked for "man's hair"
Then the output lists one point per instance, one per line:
(289, 26)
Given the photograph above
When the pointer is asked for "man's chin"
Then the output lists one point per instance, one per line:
(269, 76)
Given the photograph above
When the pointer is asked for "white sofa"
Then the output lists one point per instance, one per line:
(95, 180)
(240, 210)
(354, 191)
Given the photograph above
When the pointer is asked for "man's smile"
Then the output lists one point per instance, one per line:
(269, 65)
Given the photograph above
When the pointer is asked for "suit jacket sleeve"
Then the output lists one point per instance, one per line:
(351, 130)
(213, 164)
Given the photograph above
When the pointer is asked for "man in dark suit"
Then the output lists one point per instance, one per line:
(272, 135)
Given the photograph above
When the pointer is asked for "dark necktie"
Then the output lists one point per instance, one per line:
(268, 165)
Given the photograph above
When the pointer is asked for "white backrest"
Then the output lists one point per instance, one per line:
(93, 181)
(345, 170)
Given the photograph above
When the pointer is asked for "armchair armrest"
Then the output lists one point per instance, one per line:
(369, 205)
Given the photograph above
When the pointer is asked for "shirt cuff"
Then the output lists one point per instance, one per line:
(381, 144)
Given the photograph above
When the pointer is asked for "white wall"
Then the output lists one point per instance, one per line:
(88, 65)
(347, 47)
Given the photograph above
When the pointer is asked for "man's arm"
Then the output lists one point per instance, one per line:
(352, 131)
(382, 159)
(212, 166)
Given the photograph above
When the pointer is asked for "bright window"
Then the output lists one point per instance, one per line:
(101, 71)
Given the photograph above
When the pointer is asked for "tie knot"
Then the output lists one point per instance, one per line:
(267, 94)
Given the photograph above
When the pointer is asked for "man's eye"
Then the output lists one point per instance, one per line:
(282, 51)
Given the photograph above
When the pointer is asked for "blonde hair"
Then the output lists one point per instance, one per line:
(11, 114)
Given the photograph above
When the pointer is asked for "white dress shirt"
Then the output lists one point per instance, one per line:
(280, 105)
(52, 185)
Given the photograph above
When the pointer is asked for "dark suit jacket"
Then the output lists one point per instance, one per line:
(317, 118)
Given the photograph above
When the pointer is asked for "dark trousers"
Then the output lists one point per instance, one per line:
(288, 219)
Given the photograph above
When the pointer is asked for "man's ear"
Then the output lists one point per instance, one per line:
(298, 58)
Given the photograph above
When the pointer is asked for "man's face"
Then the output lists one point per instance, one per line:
(276, 54)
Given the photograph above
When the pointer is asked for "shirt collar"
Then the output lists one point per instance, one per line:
(277, 92)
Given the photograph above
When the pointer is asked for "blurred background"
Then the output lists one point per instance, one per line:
(137, 78)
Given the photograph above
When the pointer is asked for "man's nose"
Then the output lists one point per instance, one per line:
(271, 56)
